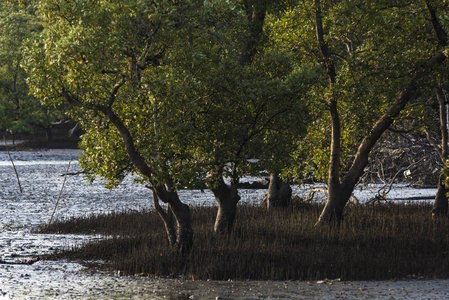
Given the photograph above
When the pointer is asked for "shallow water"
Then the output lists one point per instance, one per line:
(41, 176)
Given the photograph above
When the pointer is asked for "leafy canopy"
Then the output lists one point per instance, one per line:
(170, 72)
(375, 46)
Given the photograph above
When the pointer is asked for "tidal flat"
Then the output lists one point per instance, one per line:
(41, 175)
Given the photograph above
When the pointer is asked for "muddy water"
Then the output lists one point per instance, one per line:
(41, 177)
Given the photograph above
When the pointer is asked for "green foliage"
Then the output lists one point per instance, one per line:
(20, 111)
(375, 46)
(170, 71)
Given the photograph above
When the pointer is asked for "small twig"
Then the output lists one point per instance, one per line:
(386, 188)
(60, 193)
(12, 162)
(312, 193)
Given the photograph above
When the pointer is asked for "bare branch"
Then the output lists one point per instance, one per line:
(433, 143)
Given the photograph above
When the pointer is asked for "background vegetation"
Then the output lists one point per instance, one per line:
(20, 112)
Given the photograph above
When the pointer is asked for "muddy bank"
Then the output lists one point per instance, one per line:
(64, 280)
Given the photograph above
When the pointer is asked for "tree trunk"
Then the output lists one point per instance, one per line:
(181, 212)
(166, 217)
(255, 13)
(279, 193)
(227, 198)
(48, 134)
(440, 207)
(337, 198)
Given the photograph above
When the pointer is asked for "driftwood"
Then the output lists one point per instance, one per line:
(414, 198)
(21, 262)
(60, 193)
(378, 199)
(77, 173)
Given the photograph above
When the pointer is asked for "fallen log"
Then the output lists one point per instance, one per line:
(415, 198)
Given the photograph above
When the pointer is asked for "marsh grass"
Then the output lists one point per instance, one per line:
(372, 242)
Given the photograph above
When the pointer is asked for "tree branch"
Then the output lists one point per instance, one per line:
(334, 163)
(443, 123)
(7, 87)
(439, 31)
(117, 86)
(130, 148)
(70, 99)
(433, 143)
(361, 158)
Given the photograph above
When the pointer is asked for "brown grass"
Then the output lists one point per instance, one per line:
(373, 242)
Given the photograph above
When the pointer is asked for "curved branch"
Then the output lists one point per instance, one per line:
(433, 143)
(130, 148)
(361, 158)
(115, 89)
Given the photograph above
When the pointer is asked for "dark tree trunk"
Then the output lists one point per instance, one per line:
(227, 198)
(337, 198)
(166, 217)
(440, 207)
(279, 193)
(181, 213)
(255, 13)
(48, 133)
(184, 231)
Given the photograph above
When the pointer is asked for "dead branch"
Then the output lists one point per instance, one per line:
(14, 167)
